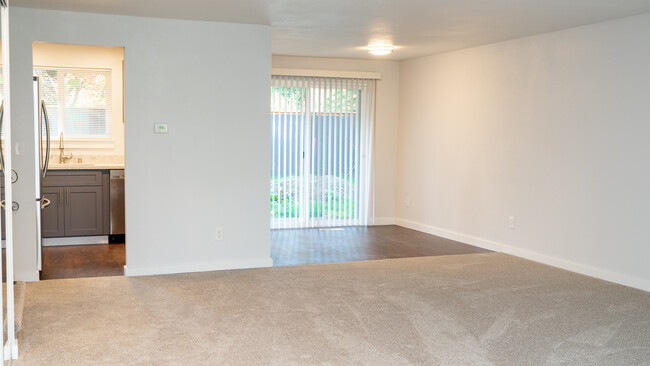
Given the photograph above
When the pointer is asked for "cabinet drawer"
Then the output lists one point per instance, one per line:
(68, 178)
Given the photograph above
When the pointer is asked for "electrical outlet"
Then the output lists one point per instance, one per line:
(219, 234)
(511, 222)
(407, 201)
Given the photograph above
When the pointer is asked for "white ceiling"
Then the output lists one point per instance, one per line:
(341, 28)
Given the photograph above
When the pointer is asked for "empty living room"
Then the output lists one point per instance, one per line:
(326, 183)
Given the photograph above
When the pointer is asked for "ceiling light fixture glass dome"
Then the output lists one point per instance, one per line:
(380, 49)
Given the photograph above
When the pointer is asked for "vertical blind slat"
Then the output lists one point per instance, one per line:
(356, 166)
(337, 121)
(314, 155)
(322, 149)
(291, 157)
(328, 117)
(348, 208)
(338, 115)
(304, 213)
(284, 154)
(272, 142)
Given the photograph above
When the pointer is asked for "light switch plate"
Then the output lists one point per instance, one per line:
(19, 149)
(160, 128)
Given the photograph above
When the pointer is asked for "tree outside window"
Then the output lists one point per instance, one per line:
(78, 101)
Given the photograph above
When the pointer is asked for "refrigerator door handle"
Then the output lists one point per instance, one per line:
(47, 134)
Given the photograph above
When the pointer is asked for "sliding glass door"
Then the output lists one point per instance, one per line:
(321, 132)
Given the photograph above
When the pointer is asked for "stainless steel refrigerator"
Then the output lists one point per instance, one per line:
(42, 151)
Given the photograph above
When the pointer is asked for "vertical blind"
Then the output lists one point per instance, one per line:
(78, 101)
(321, 151)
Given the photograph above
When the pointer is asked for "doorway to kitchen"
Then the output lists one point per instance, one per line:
(79, 133)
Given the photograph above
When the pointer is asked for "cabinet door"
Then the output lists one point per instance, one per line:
(52, 216)
(83, 211)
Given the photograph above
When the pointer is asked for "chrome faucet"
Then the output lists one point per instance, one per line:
(62, 155)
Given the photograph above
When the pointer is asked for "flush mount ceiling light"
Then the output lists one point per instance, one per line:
(380, 49)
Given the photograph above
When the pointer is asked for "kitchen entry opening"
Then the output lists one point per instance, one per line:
(79, 167)
(321, 151)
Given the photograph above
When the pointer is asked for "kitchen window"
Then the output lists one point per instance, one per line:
(78, 101)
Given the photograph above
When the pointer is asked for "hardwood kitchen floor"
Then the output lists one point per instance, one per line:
(312, 246)
(83, 261)
(74, 261)
(288, 248)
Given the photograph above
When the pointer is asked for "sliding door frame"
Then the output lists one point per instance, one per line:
(334, 143)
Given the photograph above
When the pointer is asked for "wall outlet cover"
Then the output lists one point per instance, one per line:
(219, 234)
(511, 222)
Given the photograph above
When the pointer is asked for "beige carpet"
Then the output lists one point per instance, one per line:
(476, 309)
(19, 304)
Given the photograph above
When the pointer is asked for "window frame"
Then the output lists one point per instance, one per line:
(87, 141)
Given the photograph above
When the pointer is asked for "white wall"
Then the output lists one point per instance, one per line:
(386, 117)
(210, 83)
(552, 129)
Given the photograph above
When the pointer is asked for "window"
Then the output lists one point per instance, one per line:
(321, 145)
(78, 101)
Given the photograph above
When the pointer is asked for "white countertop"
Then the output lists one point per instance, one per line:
(83, 167)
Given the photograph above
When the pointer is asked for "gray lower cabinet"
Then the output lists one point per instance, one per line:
(79, 204)
(52, 217)
(83, 212)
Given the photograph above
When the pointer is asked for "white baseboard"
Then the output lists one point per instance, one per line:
(452, 235)
(27, 276)
(199, 267)
(383, 221)
(584, 269)
(76, 240)
(603, 274)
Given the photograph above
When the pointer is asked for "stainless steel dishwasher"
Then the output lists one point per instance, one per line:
(117, 232)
